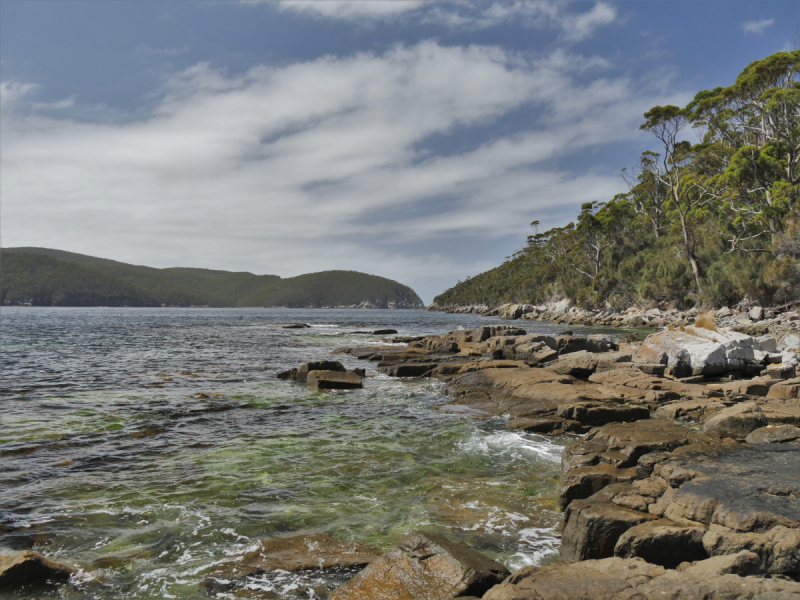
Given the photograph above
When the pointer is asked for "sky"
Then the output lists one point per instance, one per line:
(415, 140)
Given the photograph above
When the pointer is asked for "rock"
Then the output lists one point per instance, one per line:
(582, 364)
(756, 313)
(662, 542)
(683, 353)
(786, 391)
(384, 332)
(592, 528)
(758, 386)
(634, 579)
(297, 552)
(767, 343)
(747, 488)
(736, 422)
(568, 344)
(424, 566)
(31, 568)
(772, 434)
(297, 326)
(333, 380)
(318, 365)
(594, 414)
(743, 563)
(723, 313)
(790, 341)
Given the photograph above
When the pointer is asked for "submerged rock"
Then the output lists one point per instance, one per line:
(297, 552)
(29, 568)
(424, 566)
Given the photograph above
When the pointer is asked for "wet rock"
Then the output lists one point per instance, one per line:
(736, 422)
(773, 434)
(29, 568)
(424, 566)
(410, 369)
(547, 425)
(297, 552)
(384, 332)
(662, 542)
(333, 380)
(301, 373)
(297, 326)
(634, 579)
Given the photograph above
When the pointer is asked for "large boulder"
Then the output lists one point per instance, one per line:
(662, 542)
(301, 372)
(683, 353)
(333, 380)
(424, 566)
(736, 422)
(29, 568)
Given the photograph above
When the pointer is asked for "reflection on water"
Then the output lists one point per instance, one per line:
(149, 445)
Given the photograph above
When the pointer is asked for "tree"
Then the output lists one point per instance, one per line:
(667, 123)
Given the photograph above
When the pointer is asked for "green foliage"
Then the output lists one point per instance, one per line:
(710, 223)
(44, 277)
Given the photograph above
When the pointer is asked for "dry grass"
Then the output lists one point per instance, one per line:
(705, 320)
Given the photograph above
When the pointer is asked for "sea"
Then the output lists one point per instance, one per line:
(148, 446)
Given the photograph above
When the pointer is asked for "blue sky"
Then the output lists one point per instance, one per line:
(413, 140)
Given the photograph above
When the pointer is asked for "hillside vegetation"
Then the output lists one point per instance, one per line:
(715, 222)
(44, 277)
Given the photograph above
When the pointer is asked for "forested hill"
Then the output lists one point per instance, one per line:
(715, 222)
(44, 277)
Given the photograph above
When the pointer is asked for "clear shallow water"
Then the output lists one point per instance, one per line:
(147, 445)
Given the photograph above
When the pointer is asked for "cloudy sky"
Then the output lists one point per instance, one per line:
(414, 140)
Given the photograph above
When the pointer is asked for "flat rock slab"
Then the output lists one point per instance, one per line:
(31, 569)
(635, 579)
(424, 566)
(297, 552)
(773, 434)
(750, 488)
(334, 380)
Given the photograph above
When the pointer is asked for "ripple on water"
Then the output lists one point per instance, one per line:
(147, 446)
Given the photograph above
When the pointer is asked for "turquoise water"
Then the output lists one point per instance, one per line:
(148, 445)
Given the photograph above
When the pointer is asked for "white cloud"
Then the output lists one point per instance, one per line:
(12, 92)
(757, 27)
(459, 14)
(57, 105)
(321, 164)
(348, 10)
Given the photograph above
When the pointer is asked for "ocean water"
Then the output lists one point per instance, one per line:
(147, 446)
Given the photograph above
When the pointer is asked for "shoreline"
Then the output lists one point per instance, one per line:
(685, 439)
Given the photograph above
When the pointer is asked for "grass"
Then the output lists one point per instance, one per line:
(706, 321)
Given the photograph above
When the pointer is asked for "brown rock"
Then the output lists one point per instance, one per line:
(787, 391)
(424, 566)
(634, 579)
(662, 542)
(31, 568)
(333, 380)
(592, 528)
(297, 552)
(772, 434)
(735, 422)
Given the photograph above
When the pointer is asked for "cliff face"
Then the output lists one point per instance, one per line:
(42, 277)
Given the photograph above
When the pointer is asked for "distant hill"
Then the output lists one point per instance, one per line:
(45, 277)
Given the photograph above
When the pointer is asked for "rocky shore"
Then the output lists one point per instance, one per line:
(754, 320)
(682, 482)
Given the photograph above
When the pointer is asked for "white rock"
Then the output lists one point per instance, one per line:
(756, 313)
(723, 312)
(789, 359)
(767, 343)
(684, 353)
(790, 341)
